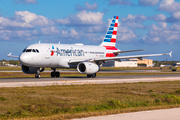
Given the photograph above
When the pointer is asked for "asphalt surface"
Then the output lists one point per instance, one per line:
(165, 114)
(20, 82)
(101, 71)
(85, 78)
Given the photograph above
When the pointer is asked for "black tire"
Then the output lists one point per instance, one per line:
(37, 75)
(52, 74)
(88, 76)
(57, 74)
(93, 75)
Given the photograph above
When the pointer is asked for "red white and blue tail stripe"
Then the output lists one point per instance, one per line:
(109, 41)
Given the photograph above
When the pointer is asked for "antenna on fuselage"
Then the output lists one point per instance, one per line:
(59, 42)
(39, 42)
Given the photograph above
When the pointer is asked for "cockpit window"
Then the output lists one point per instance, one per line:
(31, 50)
(34, 50)
(28, 50)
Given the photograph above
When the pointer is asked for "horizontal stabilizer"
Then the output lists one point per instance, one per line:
(129, 51)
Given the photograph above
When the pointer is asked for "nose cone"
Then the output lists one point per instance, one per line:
(24, 59)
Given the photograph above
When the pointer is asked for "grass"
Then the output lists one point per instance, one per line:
(76, 101)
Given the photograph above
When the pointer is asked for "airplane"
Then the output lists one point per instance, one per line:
(86, 58)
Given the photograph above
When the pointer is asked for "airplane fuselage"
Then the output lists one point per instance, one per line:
(58, 55)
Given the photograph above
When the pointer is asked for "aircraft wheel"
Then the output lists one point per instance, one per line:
(88, 76)
(93, 75)
(37, 75)
(57, 74)
(52, 74)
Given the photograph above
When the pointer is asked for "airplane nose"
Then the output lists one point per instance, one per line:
(24, 59)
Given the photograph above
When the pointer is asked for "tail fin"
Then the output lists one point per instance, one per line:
(110, 38)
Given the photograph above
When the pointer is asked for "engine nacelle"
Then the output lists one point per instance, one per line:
(29, 70)
(87, 68)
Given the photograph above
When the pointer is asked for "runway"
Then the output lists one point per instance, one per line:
(20, 82)
(165, 114)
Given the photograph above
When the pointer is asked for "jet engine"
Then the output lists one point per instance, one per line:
(87, 68)
(30, 70)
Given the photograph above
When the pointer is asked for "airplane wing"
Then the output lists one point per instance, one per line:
(129, 51)
(9, 55)
(117, 58)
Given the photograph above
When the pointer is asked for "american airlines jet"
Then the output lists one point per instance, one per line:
(87, 59)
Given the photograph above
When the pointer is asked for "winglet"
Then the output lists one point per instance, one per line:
(9, 55)
(170, 54)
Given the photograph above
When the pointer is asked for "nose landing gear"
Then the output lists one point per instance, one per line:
(37, 75)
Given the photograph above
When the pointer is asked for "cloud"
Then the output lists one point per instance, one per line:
(26, 1)
(169, 5)
(159, 17)
(148, 2)
(26, 26)
(121, 2)
(161, 33)
(173, 18)
(134, 21)
(49, 30)
(82, 18)
(124, 34)
(32, 18)
(87, 6)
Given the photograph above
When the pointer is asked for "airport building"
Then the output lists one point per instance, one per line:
(125, 64)
(129, 63)
(147, 62)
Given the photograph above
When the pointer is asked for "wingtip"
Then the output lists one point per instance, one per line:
(170, 54)
(9, 54)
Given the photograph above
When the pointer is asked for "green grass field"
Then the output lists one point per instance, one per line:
(76, 101)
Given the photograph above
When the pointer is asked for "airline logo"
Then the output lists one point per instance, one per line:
(69, 52)
(52, 52)
(66, 52)
(110, 38)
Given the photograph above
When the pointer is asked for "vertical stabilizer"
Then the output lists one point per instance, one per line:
(110, 37)
(109, 41)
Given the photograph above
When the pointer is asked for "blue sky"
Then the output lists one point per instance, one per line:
(153, 25)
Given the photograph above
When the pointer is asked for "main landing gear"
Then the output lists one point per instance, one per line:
(54, 73)
(91, 75)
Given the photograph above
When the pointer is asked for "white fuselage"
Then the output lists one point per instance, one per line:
(58, 55)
